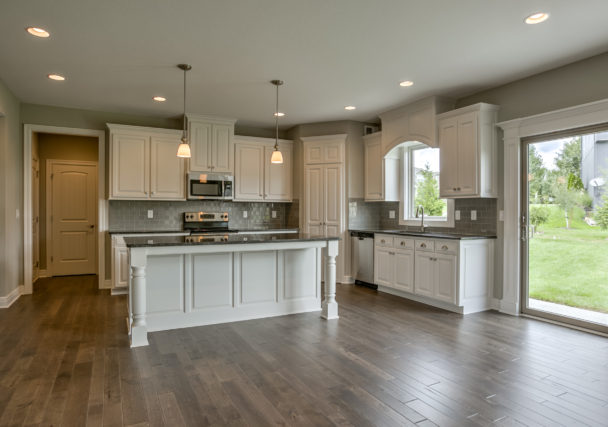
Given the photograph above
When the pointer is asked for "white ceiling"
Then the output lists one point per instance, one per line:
(117, 54)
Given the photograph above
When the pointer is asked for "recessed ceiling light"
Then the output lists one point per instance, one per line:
(159, 98)
(406, 83)
(279, 114)
(537, 18)
(38, 32)
(350, 107)
(57, 77)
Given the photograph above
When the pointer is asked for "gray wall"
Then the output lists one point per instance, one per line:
(11, 199)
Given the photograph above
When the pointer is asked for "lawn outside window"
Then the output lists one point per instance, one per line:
(420, 187)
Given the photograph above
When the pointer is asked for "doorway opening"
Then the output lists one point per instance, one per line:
(565, 228)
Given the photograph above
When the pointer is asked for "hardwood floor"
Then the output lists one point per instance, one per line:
(65, 360)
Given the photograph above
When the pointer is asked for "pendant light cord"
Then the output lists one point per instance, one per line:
(184, 133)
(276, 120)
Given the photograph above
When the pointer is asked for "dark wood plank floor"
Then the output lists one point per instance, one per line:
(65, 360)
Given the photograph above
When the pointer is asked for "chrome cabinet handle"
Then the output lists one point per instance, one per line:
(402, 243)
(383, 241)
(444, 247)
(391, 253)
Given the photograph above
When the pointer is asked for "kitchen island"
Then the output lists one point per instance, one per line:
(185, 281)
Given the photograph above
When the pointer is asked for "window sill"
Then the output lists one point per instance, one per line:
(449, 223)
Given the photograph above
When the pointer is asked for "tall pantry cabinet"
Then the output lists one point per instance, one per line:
(324, 195)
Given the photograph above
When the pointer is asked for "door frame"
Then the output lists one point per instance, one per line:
(590, 114)
(102, 204)
(49, 205)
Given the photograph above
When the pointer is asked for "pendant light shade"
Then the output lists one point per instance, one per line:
(184, 147)
(277, 157)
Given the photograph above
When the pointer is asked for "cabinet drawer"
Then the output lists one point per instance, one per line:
(403, 243)
(383, 240)
(446, 247)
(425, 245)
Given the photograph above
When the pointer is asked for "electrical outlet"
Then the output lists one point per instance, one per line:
(473, 215)
(244, 214)
(391, 214)
(501, 215)
(457, 215)
(273, 214)
(150, 214)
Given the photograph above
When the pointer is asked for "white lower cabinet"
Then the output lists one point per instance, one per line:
(456, 275)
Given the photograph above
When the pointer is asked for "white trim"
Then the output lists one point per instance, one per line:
(105, 284)
(102, 205)
(42, 274)
(514, 131)
(567, 325)
(8, 300)
(324, 137)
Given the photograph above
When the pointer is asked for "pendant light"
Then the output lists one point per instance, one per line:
(276, 157)
(184, 148)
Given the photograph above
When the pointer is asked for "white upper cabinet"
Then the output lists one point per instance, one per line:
(467, 142)
(211, 144)
(144, 165)
(381, 173)
(324, 149)
(255, 178)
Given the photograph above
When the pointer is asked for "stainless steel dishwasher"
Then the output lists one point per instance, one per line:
(363, 258)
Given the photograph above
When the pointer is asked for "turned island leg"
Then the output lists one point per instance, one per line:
(139, 329)
(329, 306)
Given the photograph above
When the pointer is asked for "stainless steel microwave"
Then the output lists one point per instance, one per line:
(210, 186)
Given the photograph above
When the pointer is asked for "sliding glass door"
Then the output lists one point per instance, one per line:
(564, 218)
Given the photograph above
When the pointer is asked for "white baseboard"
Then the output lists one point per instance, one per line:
(42, 274)
(507, 307)
(105, 284)
(422, 299)
(495, 304)
(348, 280)
(119, 291)
(8, 300)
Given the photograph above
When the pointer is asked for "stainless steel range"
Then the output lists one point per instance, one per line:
(207, 223)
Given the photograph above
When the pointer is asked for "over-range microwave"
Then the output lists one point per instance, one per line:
(209, 186)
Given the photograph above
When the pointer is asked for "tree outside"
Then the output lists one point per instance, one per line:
(427, 193)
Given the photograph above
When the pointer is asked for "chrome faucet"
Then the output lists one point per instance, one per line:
(420, 212)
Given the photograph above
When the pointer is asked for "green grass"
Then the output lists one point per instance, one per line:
(570, 266)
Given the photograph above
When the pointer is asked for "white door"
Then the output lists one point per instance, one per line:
(424, 277)
(332, 183)
(467, 154)
(221, 149)
(200, 146)
(404, 270)
(73, 208)
(167, 176)
(448, 157)
(384, 267)
(130, 166)
(35, 218)
(278, 177)
(445, 277)
(249, 172)
(313, 191)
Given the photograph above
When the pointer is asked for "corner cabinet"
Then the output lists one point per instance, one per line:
(456, 275)
(143, 164)
(255, 178)
(211, 144)
(468, 152)
(381, 173)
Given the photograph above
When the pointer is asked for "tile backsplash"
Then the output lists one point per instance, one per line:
(375, 215)
(132, 215)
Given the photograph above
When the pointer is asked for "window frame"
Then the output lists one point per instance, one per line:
(406, 201)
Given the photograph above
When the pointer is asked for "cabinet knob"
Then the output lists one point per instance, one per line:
(423, 245)
(383, 241)
(444, 247)
(402, 243)
(391, 253)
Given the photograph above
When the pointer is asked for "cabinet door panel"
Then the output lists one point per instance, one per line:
(332, 196)
(404, 270)
(167, 177)
(221, 148)
(467, 155)
(423, 279)
(130, 166)
(200, 146)
(313, 192)
(445, 278)
(249, 176)
(383, 267)
(278, 177)
(448, 157)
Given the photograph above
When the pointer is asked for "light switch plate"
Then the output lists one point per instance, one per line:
(391, 214)
(457, 215)
(501, 215)
(274, 214)
(244, 214)
(473, 215)
(150, 214)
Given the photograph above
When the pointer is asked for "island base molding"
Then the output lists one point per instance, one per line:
(185, 286)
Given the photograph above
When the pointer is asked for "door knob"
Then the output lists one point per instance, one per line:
(92, 226)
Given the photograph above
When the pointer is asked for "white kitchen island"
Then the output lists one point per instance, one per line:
(185, 281)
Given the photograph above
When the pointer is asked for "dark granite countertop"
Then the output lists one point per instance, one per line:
(227, 239)
(240, 230)
(428, 234)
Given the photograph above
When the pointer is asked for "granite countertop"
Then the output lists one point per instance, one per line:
(226, 239)
(429, 234)
(240, 230)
